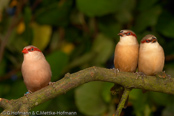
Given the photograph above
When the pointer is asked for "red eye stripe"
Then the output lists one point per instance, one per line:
(36, 49)
(130, 34)
(146, 41)
(33, 49)
(29, 49)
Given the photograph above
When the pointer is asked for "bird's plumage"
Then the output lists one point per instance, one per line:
(35, 69)
(126, 52)
(126, 57)
(151, 56)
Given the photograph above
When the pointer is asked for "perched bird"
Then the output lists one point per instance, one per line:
(126, 56)
(151, 56)
(126, 52)
(35, 69)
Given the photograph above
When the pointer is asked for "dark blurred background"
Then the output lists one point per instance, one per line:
(76, 34)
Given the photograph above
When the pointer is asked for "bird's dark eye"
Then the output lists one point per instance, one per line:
(32, 49)
(128, 33)
(147, 41)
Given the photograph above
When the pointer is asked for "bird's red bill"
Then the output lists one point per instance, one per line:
(25, 51)
(120, 34)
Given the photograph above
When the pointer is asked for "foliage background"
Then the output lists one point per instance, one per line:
(76, 34)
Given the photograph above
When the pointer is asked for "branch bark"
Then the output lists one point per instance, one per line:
(125, 97)
(70, 81)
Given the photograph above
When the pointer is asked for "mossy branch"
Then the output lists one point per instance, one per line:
(121, 104)
(70, 81)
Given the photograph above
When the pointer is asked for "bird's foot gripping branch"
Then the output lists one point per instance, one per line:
(70, 81)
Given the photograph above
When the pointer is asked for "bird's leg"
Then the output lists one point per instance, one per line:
(163, 75)
(169, 76)
(140, 74)
(51, 83)
(117, 70)
(28, 92)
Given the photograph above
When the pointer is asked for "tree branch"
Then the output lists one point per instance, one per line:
(124, 97)
(70, 81)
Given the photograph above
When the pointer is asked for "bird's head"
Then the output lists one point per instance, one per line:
(149, 42)
(149, 39)
(125, 33)
(30, 48)
(31, 52)
(128, 37)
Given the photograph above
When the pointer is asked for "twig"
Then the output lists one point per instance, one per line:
(5, 40)
(84, 25)
(122, 101)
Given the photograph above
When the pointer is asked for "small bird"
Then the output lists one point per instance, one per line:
(36, 70)
(126, 56)
(126, 52)
(151, 56)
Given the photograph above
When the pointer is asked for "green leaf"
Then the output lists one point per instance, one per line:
(124, 16)
(27, 15)
(5, 89)
(88, 99)
(48, 2)
(103, 48)
(109, 28)
(170, 68)
(14, 91)
(147, 110)
(18, 42)
(147, 18)
(146, 4)
(57, 60)
(140, 102)
(128, 5)
(159, 98)
(65, 102)
(54, 41)
(2, 67)
(28, 35)
(98, 7)
(95, 56)
(42, 35)
(54, 14)
(72, 35)
(106, 93)
(165, 24)
(1, 87)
